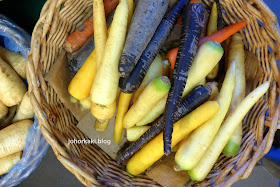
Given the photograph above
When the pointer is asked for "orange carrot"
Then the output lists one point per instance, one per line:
(79, 37)
(193, 1)
(218, 36)
(171, 56)
(224, 33)
(109, 6)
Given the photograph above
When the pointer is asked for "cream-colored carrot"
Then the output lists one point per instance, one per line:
(15, 60)
(12, 88)
(3, 110)
(12, 138)
(100, 29)
(7, 162)
(105, 84)
(25, 110)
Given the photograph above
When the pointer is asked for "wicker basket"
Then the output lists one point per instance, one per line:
(89, 163)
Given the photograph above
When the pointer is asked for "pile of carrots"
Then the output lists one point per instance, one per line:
(165, 100)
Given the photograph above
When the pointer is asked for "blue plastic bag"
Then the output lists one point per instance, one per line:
(14, 38)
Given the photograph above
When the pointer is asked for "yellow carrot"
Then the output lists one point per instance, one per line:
(150, 96)
(154, 113)
(153, 151)
(154, 71)
(100, 29)
(103, 112)
(123, 105)
(124, 98)
(134, 133)
(101, 126)
(131, 7)
(212, 24)
(211, 29)
(86, 103)
(105, 85)
(80, 85)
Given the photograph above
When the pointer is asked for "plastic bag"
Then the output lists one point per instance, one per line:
(16, 39)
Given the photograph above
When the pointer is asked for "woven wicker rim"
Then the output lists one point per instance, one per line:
(89, 163)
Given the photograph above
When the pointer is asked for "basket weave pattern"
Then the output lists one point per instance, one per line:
(88, 162)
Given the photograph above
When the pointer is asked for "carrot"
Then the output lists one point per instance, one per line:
(212, 24)
(105, 84)
(237, 54)
(131, 7)
(101, 126)
(154, 113)
(79, 37)
(224, 33)
(7, 162)
(166, 68)
(73, 99)
(154, 71)
(212, 28)
(7, 121)
(171, 56)
(191, 29)
(123, 105)
(15, 60)
(134, 133)
(102, 112)
(153, 93)
(3, 110)
(25, 110)
(124, 99)
(12, 138)
(81, 83)
(100, 28)
(179, 20)
(12, 88)
(86, 103)
(145, 20)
